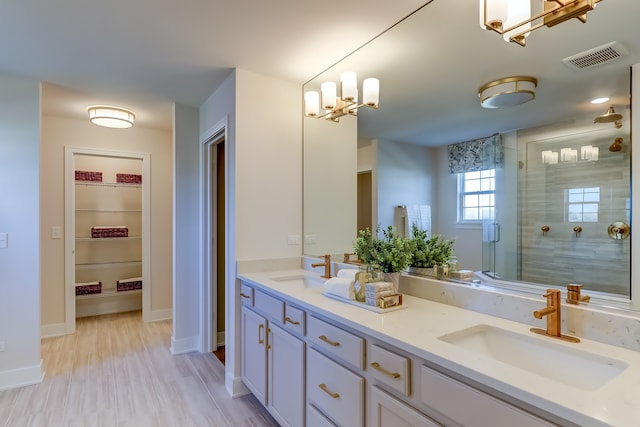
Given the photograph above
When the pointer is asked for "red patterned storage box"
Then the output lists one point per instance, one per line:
(129, 284)
(88, 176)
(88, 288)
(128, 178)
(110, 231)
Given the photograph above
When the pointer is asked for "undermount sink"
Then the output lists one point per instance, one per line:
(301, 280)
(539, 355)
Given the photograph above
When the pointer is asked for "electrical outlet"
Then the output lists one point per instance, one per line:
(310, 239)
(2, 346)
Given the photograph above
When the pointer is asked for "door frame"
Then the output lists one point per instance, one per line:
(208, 295)
(70, 226)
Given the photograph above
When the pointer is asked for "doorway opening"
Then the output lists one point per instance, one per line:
(215, 243)
(106, 234)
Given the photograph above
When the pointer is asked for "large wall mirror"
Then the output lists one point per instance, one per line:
(560, 172)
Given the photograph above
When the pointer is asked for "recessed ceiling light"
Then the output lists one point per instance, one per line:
(599, 100)
(112, 117)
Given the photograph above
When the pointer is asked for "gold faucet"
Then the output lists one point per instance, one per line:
(347, 259)
(326, 264)
(554, 319)
(573, 294)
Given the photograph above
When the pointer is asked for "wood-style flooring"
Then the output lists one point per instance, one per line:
(118, 371)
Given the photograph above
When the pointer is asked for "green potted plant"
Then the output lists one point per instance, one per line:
(429, 253)
(390, 253)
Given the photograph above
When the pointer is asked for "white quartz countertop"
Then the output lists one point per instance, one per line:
(417, 328)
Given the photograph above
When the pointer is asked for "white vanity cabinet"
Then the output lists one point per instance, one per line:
(336, 391)
(273, 360)
(468, 406)
(387, 411)
(310, 369)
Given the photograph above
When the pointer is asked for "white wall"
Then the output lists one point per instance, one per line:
(186, 229)
(468, 239)
(58, 132)
(19, 217)
(405, 177)
(263, 146)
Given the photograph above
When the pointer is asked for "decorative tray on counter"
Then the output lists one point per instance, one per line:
(363, 305)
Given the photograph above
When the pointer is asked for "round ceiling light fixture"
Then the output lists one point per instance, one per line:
(508, 91)
(111, 117)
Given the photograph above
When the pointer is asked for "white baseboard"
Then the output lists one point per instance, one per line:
(234, 385)
(184, 345)
(53, 330)
(21, 377)
(158, 315)
(220, 339)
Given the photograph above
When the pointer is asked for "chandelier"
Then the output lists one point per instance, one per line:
(335, 106)
(513, 19)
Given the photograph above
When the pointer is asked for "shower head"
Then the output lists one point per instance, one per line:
(608, 117)
(617, 145)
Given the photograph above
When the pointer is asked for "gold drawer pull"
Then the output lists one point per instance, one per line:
(324, 388)
(377, 367)
(290, 320)
(328, 341)
(243, 295)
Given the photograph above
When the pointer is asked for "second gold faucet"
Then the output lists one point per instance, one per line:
(553, 312)
(326, 264)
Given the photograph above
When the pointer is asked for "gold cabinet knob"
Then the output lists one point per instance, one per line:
(545, 229)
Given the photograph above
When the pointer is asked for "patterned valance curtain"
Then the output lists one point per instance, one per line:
(478, 154)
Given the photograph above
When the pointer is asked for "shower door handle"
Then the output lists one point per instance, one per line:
(491, 232)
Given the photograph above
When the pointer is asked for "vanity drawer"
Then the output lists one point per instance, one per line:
(390, 369)
(272, 307)
(246, 295)
(334, 390)
(446, 395)
(341, 343)
(294, 319)
(316, 419)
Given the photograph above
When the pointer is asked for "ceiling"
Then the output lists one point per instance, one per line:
(147, 54)
(431, 65)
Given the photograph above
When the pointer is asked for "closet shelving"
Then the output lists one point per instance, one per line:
(107, 259)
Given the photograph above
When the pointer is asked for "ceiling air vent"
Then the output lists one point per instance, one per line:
(597, 56)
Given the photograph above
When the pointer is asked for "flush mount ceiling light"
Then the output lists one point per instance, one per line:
(347, 103)
(111, 117)
(508, 91)
(513, 19)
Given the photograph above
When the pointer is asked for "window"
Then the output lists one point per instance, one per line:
(476, 195)
(582, 204)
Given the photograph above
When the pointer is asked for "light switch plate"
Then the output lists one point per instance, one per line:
(4, 240)
(56, 232)
(293, 239)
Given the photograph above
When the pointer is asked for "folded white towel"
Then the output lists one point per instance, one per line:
(376, 287)
(344, 288)
(348, 273)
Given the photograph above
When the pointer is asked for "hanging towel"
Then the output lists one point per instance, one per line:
(338, 286)
(419, 215)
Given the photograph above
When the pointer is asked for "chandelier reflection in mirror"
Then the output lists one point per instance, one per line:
(515, 19)
(335, 106)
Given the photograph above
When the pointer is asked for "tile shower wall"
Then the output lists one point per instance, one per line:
(561, 256)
